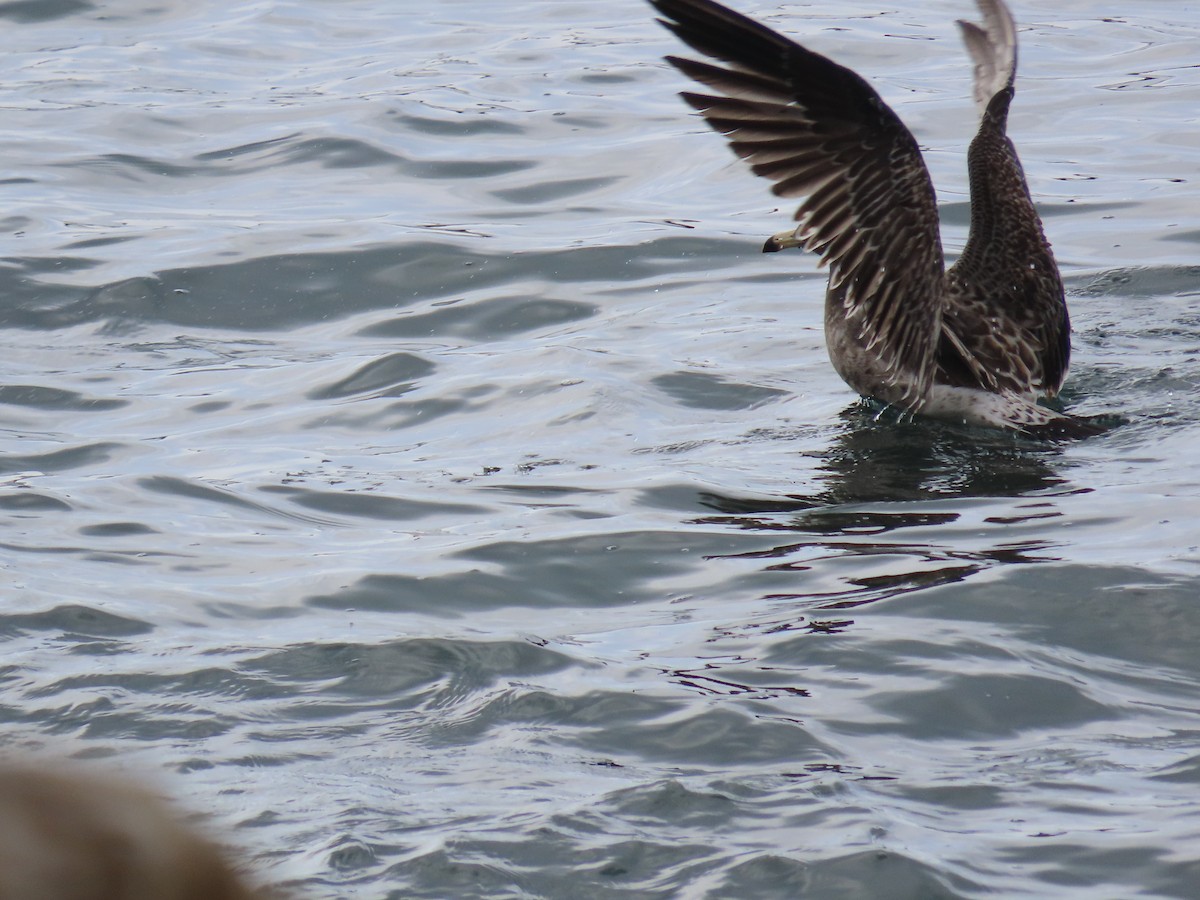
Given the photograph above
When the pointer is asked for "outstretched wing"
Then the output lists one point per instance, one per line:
(993, 49)
(819, 131)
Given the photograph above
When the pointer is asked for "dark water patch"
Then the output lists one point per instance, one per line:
(1139, 282)
(1069, 860)
(590, 711)
(877, 460)
(257, 294)
(1190, 236)
(461, 125)
(453, 169)
(720, 737)
(338, 153)
(827, 520)
(700, 390)
(406, 673)
(810, 581)
(746, 682)
(370, 506)
(126, 558)
(606, 78)
(535, 713)
(1168, 877)
(551, 191)
(402, 414)
(986, 706)
(209, 406)
(117, 529)
(489, 319)
(83, 456)
(388, 376)
(20, 267)
(15, 225)
(961, 797)
(31, 11)
(877, 463)
(352, 855)
(73, 622)
(868, 521)
(94, 243)
(103, 721)
(180, 487)
(350, 153)
(564, 501)
(715, 844)
(1107, 611)
(194, 490)
(229, 609)
(690, 499)
(451, 595)
(248, 149)
(473, 868)
(875, 873)
(210, 682)
(549, 573)
(293, 149)
(28, 501)
(284, 291)
(1186, 771)
(903, 582)
(708, 811)
(49, 398)
(134, 168)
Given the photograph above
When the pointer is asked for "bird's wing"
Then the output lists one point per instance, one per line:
(820, 132)
(993, 49)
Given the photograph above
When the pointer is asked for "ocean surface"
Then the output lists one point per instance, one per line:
(410, 463)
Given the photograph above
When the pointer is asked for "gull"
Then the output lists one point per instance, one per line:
(980, 342)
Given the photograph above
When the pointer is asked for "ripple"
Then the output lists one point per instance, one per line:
(388, 376)
(66, 459)
(700, 390)
(489, 319)
(43, 397)
(370, 506)
(27, 501)
(406, 673)
(75, 622)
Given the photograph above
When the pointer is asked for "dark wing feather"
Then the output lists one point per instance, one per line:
(819, 131)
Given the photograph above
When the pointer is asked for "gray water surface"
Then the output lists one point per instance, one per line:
(408, 460)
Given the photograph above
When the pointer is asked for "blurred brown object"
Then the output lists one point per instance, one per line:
(83, 837)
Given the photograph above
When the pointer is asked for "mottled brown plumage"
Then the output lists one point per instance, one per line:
(981, 342)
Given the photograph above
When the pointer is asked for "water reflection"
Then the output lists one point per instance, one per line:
(880, 486)
(876, 461)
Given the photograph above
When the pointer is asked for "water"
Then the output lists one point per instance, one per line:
(410, 462)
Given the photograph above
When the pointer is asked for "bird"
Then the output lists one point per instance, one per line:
(70, 834)
(980, 342)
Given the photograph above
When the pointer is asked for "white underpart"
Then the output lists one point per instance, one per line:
(978, 407)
